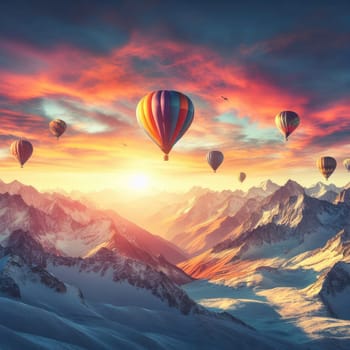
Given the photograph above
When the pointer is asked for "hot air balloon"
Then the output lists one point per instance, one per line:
(287, 122)
(21, 150)
(346, 163)
(326, 165)
(57, 127)
(215, 158)
(165, 115)
(242, 177)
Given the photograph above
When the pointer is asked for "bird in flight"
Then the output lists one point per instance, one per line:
(224, 98)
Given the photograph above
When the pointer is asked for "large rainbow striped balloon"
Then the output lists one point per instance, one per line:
(165, 116)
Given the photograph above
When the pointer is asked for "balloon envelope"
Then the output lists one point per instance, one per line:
(326, 165)
(215, 158)
(57, 127)
(165, 115)
(346, 163)
(21, 150)
(287, 122)
(242, 177)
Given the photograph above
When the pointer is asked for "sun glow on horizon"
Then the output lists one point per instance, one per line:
(138, 182)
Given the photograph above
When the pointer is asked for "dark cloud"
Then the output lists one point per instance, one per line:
(46, 24)
(103, 24)
(313, 63)
(329, 136)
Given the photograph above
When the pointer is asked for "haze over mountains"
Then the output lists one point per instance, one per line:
(276, 258)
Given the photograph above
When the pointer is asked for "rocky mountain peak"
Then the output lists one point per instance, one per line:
(289, 189)
(343, 196)
(269, 186)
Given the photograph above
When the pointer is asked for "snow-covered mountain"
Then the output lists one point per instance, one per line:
(276, 258)
(197, 220)
(70, 227)
(284, 224)
(62, 234)
(25, 258)
(102, 302)
(280, 259)
(29, 194)
(320, 190)
(264, 189)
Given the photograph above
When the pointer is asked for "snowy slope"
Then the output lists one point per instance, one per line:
(110, 302)
(265, 189)
(320, 190)
(283, 301)
(78, 235)
(288, 274)
(131, 328)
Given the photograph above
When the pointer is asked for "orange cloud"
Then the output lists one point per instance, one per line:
(99, 95)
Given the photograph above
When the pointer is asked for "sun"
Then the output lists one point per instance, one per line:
(138, 182)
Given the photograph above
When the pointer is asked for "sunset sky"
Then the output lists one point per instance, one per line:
(90, 62)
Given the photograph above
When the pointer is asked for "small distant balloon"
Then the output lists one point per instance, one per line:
(287, 122)
(215, 158)
(165, 116)
(326, 166)
(346, 163)
(57, 127)
(21, 150)
(242, 177)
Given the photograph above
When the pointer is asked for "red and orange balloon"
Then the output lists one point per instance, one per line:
(21, 150)
(287, 122)
(57, 127)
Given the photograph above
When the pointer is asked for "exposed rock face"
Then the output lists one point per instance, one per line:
(335, 291)
(49, 280)
(23, 255)
(135, 273)
(338, 278)
(9, 288)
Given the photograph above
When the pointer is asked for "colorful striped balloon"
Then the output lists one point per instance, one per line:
(215, 158)
(287, 122)
(21, 150)
(326, 165)
(165, 116)
(57, 127)
(346, 163)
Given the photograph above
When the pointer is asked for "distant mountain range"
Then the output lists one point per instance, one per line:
(69, 227)
(199, 219)
(74, 277)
